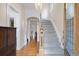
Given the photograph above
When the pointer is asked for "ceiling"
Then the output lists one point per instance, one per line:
(46, 8)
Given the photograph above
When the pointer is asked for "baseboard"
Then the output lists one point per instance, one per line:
(61, 44)
(21, 46)
(18, 48)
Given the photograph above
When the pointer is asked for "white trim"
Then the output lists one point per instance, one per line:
(18, 48)
(25, 40)
(59, 36)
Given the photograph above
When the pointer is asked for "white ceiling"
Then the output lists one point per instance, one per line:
(45, 9)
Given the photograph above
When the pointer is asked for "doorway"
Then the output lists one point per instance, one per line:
(32, 28)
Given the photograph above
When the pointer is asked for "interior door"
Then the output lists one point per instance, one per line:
(65, 26)
(77, 29)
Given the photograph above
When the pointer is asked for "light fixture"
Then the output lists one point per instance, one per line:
(38, 6)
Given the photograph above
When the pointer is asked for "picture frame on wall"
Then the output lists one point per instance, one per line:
(11, 22)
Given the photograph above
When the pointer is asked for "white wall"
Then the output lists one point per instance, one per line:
(31, 11)
(23, 28)
(57, 18)
(3, 21)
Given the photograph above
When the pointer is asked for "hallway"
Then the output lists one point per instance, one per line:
(54, 26)
(25, 18)
(51, 46)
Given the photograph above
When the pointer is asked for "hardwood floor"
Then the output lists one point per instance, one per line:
(31, 50)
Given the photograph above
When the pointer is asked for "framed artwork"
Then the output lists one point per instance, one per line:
(11, 22)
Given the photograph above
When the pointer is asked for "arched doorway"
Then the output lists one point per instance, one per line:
(32, 29)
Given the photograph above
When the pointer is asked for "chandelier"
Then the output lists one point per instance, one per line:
(38, 6)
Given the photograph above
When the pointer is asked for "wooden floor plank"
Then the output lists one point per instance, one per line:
(31, 50)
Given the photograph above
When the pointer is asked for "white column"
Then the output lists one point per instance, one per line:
(38, 32)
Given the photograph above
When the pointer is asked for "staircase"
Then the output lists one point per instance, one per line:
(51, 46)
